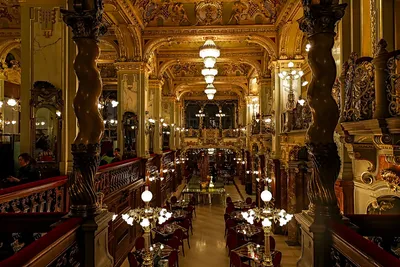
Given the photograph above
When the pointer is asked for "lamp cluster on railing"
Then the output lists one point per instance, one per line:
(102, 103)
(239, 160)
(112, 122)
(181, 160)
(267, 215)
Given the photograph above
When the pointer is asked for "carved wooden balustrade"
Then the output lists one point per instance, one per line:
(297, 119)
(359, 88)
(393, 83)
(120, 184)
(49, 195)
(351, 248)
(45, 239)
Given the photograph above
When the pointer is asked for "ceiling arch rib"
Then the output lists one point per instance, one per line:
(7, 46)
(168, 64)
(264, 42)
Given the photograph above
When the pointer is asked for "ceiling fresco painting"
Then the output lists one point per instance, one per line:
(156, 13)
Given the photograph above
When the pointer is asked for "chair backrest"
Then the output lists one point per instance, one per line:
(194, 200)
(173, 258)
(253, 205)
(249, 200)
(276, 260)
(232, 242)
(174, 242)
(228, 200)
(229, 210)
(179, 234)
(132, 260)
(186, 223)
(235, 260)
(232, 232)
(139, 243)
(230, 223)
(226, 216)
(174, 199)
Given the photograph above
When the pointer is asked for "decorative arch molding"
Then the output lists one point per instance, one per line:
(189, 90)
(182, 86)
(153, 45)
(283, 53)
(251, 62)
(130, 45)
(264, 42)
(136, 35)
(7, 46)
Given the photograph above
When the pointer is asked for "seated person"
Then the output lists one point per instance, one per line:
(107, 158)
(117, 155)
(27, 172)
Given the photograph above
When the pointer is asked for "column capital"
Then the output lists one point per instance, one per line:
(156, 83)
(132, 66)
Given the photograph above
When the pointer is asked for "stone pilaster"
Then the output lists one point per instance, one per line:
(133, 97)
(43, 35)
(127, 95)
(155, 87)
(2, 78)
(276, 146)
(265, 96)
(172, 121)
(179, 124)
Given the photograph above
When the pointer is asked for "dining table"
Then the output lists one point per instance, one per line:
(159, 252)
(247, 230)
(167, 230)
(253, 252)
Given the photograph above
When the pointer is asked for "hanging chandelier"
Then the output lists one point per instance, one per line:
(209, 52)
(210, 91)
(209, 74)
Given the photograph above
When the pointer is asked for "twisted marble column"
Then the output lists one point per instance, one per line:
(85, 22)
(319, 21)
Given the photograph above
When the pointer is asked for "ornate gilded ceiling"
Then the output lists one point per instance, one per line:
(167, 34)
(206, 13)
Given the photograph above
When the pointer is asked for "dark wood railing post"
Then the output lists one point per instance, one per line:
(319, 21)
(85, 21)
(381, 76)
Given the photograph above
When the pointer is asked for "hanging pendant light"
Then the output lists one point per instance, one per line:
(210, 91)
(208, 71)
(209, 49)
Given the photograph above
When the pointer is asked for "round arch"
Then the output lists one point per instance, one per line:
(7, 46)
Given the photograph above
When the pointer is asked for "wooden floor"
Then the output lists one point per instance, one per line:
(208, 242)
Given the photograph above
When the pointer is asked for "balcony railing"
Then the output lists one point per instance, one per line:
(359, 86)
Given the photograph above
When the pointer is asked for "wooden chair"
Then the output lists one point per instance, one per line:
(276, 261)
(236, 261)
(179, 234)
(173, 259)
(249, 200)
(139, 243)
(132, 260)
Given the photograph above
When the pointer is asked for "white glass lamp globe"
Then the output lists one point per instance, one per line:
(266, 196)
(147, 196)
(266, 222)
(145, 223)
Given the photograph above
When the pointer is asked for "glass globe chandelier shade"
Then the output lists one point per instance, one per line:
(209, 78)
(209, 49)
(206, 72)
(147, 195)
(210, 96)
(266, 196)
(210, 89)
(11, 102)
(209, 62)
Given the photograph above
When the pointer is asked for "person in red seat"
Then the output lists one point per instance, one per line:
(27, 172)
